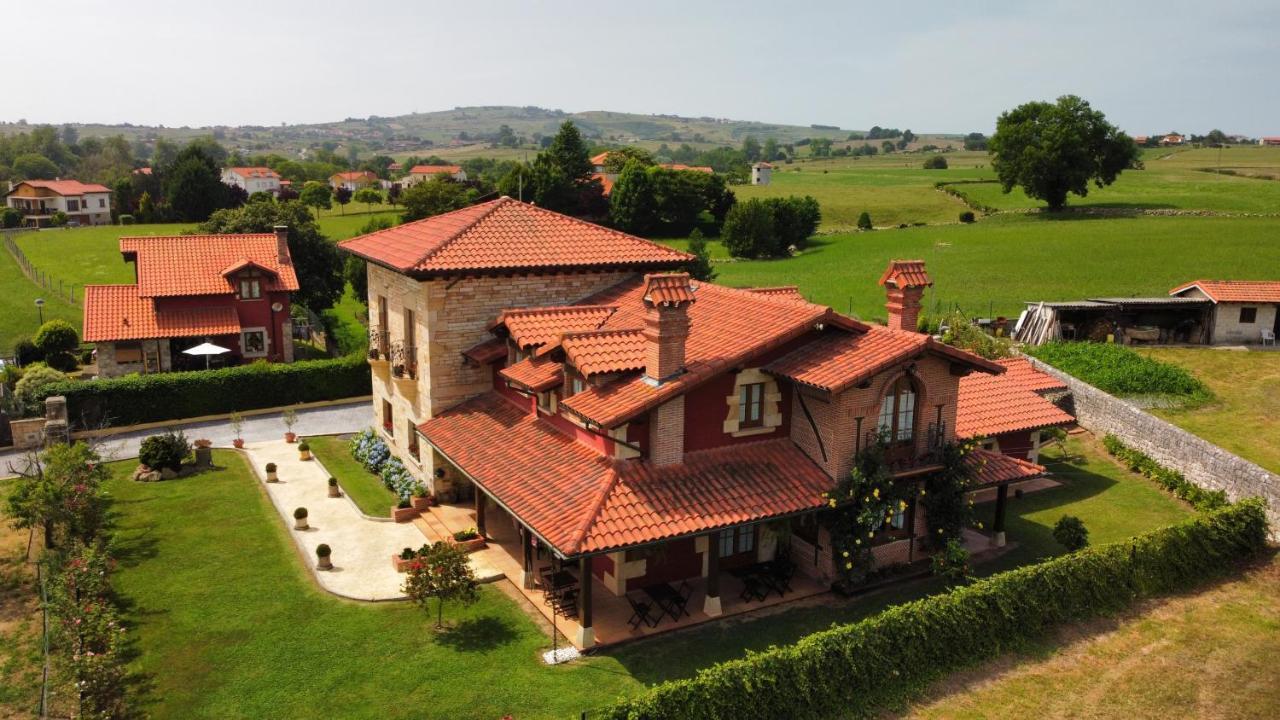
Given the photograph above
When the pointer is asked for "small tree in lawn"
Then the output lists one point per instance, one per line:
(342, 196)
(441, 571)
(369, 196)
(317, 195)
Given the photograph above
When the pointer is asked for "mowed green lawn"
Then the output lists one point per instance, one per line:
(362, 486)
(994, 266)
(19, 317)
(1245, 414)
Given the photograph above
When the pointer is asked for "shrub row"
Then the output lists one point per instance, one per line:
(168, 396)
(1120, 371)
(881, 662)
(948, 188)
(1170, 480)
(370, 451)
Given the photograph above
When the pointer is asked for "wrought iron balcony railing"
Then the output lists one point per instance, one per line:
(378, 344)
(903, 454)
(404, 359)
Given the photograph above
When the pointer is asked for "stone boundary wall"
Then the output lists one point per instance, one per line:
(1199, 460)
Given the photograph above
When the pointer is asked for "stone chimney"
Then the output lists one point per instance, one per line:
(667, 298)
(282, 243)
(904, 283)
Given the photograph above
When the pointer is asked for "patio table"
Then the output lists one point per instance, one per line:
(665, 597)
(561, 580)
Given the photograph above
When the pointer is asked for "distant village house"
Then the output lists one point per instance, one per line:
(253, 179)
(39, 200)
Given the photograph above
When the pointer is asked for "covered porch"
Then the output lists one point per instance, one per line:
(598, 615)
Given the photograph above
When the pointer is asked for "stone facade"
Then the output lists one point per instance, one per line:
(450, 316)
(1202, 462)
(109, 366)
(1227, 328)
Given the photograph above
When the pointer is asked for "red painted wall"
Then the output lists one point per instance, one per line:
(1016, 444)
(680, 561)
(251, 313)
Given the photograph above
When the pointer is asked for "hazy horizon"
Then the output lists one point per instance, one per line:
(1151, 67)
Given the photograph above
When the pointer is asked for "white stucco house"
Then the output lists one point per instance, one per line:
(253, 179)
(38, 200)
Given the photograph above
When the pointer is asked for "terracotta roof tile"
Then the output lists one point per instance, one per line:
(195, 264)
(530, 327)
(65, 187)
(990, 405)
(254, 172)
(606, 183)
(605, 351)
(994, 468)
(906, 273)
(434, 169)
(579, 501)
(353, 175)
(534, 374)
(1249, 291)
(115, 312)
(687, 168)
(1031, 378)
(790, 292)
(506, 234)
(489, 351)
(668, 289)
(839, 360)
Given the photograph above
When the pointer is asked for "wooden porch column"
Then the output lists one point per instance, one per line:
(480, 503)
(712, 604)
(586, 633)
(527, 548)
(1002, 501)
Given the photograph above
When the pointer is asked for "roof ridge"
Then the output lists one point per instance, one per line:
(493, 207)
(506, 312)
(598, 332)
(589, 519)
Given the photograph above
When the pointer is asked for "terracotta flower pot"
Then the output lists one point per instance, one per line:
(324, 563)
(421, 503)
(304, 454)
(472, 545)
(400, 514)
(290, 437)
(238, 443)
(272, 476)
(335, 491)
(401, 564)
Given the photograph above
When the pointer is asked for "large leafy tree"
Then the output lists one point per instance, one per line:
(32, 166)
(316, 260)
(569, 153)
(433, 197)
(560, 178)
(632, 203)
(1052, 149)
(441, 571)
(317, 195)
(193, 187)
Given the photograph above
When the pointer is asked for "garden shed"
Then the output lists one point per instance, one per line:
(1129, 321)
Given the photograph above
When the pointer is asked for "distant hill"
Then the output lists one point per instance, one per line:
(469, 127)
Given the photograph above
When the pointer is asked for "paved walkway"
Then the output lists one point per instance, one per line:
(362, 548)
(327, 420)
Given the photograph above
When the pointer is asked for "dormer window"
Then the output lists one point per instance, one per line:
(897, 418)
(250, 286)
(578, 385)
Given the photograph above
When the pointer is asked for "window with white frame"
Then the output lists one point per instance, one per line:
(897, 417)
(253, 342)
(250, 287)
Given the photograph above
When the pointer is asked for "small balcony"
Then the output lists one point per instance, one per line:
(379, 345)
(907, 456)
(404, 367)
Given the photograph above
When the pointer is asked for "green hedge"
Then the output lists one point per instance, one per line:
(1170, 480)
(861, 669)
(170, 396)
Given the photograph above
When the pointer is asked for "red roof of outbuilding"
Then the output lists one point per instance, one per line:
(198, 264)
(1235, 291)
(1030, 378)
(115, 312)
(506, 234)
(434, 169)
(581, 502)
(254, 172)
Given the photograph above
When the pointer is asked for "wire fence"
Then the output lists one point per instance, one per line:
(65, 291)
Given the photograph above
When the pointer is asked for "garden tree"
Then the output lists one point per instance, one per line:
(70, 135)
(771, 151)
(1052, 149)
(620, 158)
(975, 141)
(864, 221)
(748, 230)
(57, 340)
(568, 153)
(342, 196)
(438, 195)
(316, 194)
(10, 217)
(34, 378)
(393, 194)
(700, 267)
(820, 147)
(908, 136)
(316, 260)
(356, 272)
(369, 196)
(441, 571)
(632, 202)
(887, 146)
(935, 162)
(34, 167)
(379, 165)
(751, 148)
(795, 219)
(58, 493)
(1071, 533)
(193, 187)
(1216, 137)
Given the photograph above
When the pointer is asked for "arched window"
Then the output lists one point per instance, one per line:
(897, 418)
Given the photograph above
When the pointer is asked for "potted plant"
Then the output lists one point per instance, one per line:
(403, 511)
(334, 491)
(271, 473)
(304, 450)
(289, 418)
(237, 427)
(322, 557)
(469, 540)
(404, 559)
(300, 519)
(204, 452)
(422, 498)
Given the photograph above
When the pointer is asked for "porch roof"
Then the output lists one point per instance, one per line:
(581, 502)
(994, 468)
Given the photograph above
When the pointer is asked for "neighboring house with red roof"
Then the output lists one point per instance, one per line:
(38, 200)
(253, 179)
(421, 173)
(761, 173)
(229, 290)
(354, 180)
(1009, 413)
(1244, 311)
(1271, 140)
(598, 404)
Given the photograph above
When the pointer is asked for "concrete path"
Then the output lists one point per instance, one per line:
(327, 420)
(362, 548)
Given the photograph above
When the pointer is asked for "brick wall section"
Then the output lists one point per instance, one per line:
(665, 331)
(1202, 462)
(666, 432)
(837, 416)
(903, 307)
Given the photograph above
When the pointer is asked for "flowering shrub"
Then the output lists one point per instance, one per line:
(862, 505)
(369, 450)
(946, 510)
(398, 479)
(87, 631)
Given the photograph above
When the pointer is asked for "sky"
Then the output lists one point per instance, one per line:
(929, 66)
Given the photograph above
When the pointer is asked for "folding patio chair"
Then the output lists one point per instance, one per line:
(752, 590)
(640, 614)
(680, 604)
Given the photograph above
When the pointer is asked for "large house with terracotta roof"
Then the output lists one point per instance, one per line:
(602, 409)
(229, 290)
(422, 173)
(39, 200)
(253, 179)
(1244, 311)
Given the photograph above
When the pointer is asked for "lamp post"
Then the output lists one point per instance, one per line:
(40, 309)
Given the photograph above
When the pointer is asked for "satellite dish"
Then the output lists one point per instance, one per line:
(277, 307)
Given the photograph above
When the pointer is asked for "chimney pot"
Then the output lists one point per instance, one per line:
(667, 298)
(904, 282)
(282, 244)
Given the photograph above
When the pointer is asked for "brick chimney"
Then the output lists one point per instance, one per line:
(904, 282)
(667, 298)
(282, 243)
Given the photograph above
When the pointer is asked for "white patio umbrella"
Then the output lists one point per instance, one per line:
(206, 349)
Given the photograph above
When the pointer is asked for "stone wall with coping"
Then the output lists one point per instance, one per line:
(1199, 460)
